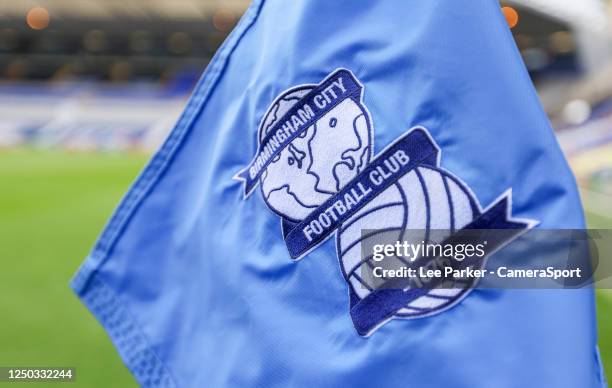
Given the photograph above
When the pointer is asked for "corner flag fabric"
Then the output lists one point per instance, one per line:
(232, 261)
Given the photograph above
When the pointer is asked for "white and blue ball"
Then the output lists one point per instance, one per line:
(427, 198)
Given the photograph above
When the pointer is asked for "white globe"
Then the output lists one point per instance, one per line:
(318, 163)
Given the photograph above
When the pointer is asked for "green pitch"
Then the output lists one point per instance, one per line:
(52, 207)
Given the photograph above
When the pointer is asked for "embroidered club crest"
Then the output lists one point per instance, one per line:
(316, 171)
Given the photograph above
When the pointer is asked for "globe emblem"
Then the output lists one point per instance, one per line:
(318, 163)
(317, 172)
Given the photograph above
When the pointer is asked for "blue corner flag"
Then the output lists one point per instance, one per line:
(234, 260)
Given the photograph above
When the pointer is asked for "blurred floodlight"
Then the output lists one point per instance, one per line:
(38, 18)
(576, 112)
(512, 16)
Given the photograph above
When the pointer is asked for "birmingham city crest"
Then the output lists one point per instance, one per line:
(316, 169)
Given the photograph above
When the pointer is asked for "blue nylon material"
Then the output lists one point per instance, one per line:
(205, 278)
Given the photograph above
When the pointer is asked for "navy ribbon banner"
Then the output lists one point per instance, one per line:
(339, 86)
(493, 226)
(413, 149)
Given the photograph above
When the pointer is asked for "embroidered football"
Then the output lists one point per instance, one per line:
(319, 162)
(427, 198)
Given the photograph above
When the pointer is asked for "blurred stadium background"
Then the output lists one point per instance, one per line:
(89, 88)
